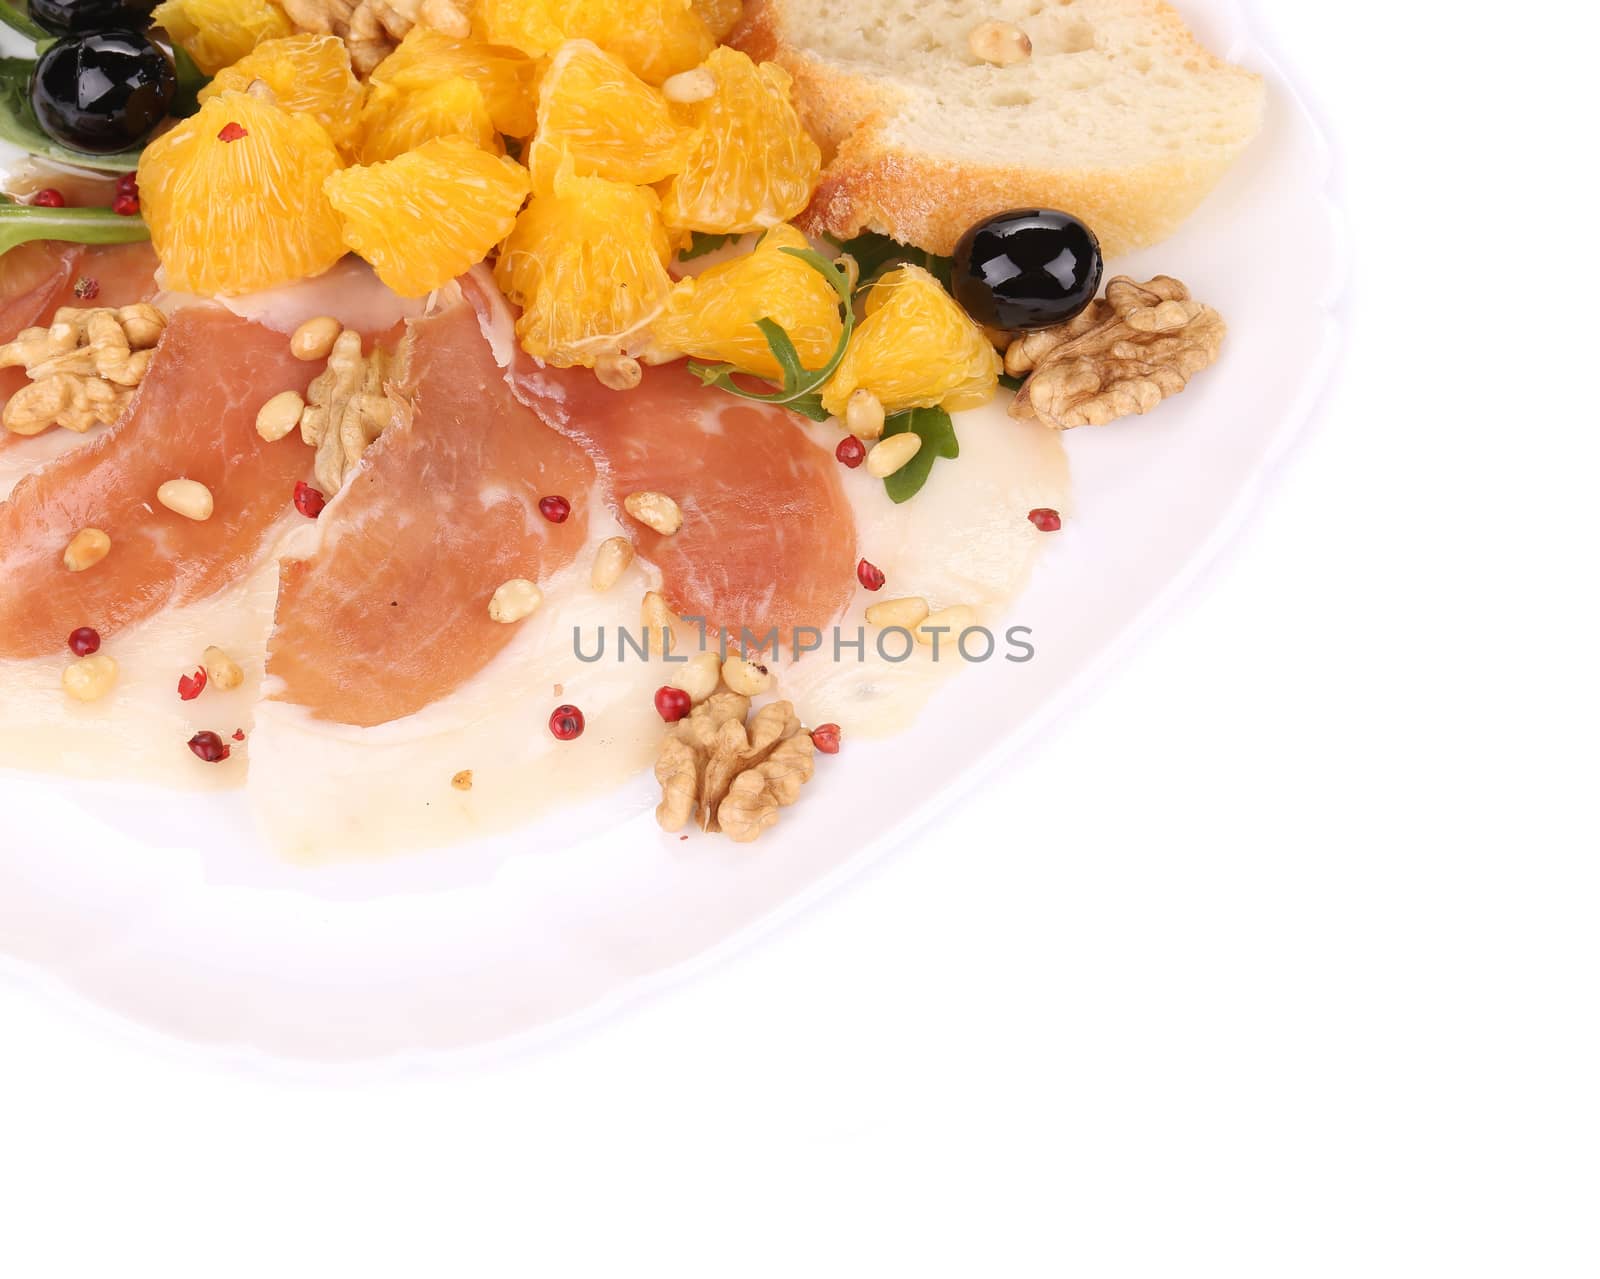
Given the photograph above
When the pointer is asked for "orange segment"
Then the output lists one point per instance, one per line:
(609, 121)
(507, 78)
(394, 122)
(751, 163)
(915, 348)
(425, 217)
(656, 38)
(587, 261)
(720, 16)
(236, 216)
(713, 316)
(309, 74)
(217, 33)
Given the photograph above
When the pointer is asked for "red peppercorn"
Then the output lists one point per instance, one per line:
(307, 500)
(672, 704)
(191, 686)
(232, 132)
(84, 641)
(870, 575)
(851, 451)
(49, 198)
(1045, 520)
(555, 509)
(566, 723)
(126, 206)
(825, 737)
(209, 748)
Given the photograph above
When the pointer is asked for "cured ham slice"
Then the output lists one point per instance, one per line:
(39, 278)
(768, 538)
(391, 612)
(194, 417)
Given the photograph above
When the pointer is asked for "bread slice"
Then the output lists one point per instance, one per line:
(1117, 115)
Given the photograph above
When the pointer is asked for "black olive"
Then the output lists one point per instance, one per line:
(102, 93)
(78, 17)
(1027, 269)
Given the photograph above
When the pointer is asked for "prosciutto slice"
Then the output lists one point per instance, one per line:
(194, 417)
(391, 612)
(768, 537)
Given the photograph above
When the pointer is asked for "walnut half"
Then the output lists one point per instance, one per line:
(348, 405)
(737, 775)
(371, 29)
(1124, 354)
(83, 368)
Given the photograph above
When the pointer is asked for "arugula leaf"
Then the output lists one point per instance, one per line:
(186, 101)
(876, 253)
(1011, 382)
(800, 387)
(19, 126)
(938, 440)
(20, 223)
(702, 244)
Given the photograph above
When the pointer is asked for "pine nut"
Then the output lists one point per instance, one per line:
(745, 677)
(908, 612)
(86, 549)
(91, 678)
(863, 415)
(659, 621)
(700, 677)
(611, 561)
(950, 622)
(515, 600)
(689, 86)
(618, 372)
(261, 89)
(888, 456)
(279, 415)
(314, 339)
(999, 43)
(655, 510)
(188, 498)
(221, 670)
(445, 18)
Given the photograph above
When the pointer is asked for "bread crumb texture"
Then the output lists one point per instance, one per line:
(1118, 115)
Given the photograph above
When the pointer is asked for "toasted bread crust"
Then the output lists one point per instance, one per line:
(922, 199)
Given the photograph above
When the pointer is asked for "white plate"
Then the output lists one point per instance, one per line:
(160, 912)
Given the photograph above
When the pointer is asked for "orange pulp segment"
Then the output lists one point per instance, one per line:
(429, 215)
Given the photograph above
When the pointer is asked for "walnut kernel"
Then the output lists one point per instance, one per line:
(1124, 354)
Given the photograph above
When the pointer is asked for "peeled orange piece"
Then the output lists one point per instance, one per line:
(612, 124)
(587, 261)
(233, 196)
(656, 38)
(751, 164)
(394, 122)
(426, 216)
(507, 78)
(217, 33)
(914, 348)
(309, 74)
(713, 316)
(720, 16)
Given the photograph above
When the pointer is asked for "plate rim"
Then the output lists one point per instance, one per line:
(1295, 426)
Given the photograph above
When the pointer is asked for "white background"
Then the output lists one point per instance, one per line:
(1279, 959)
